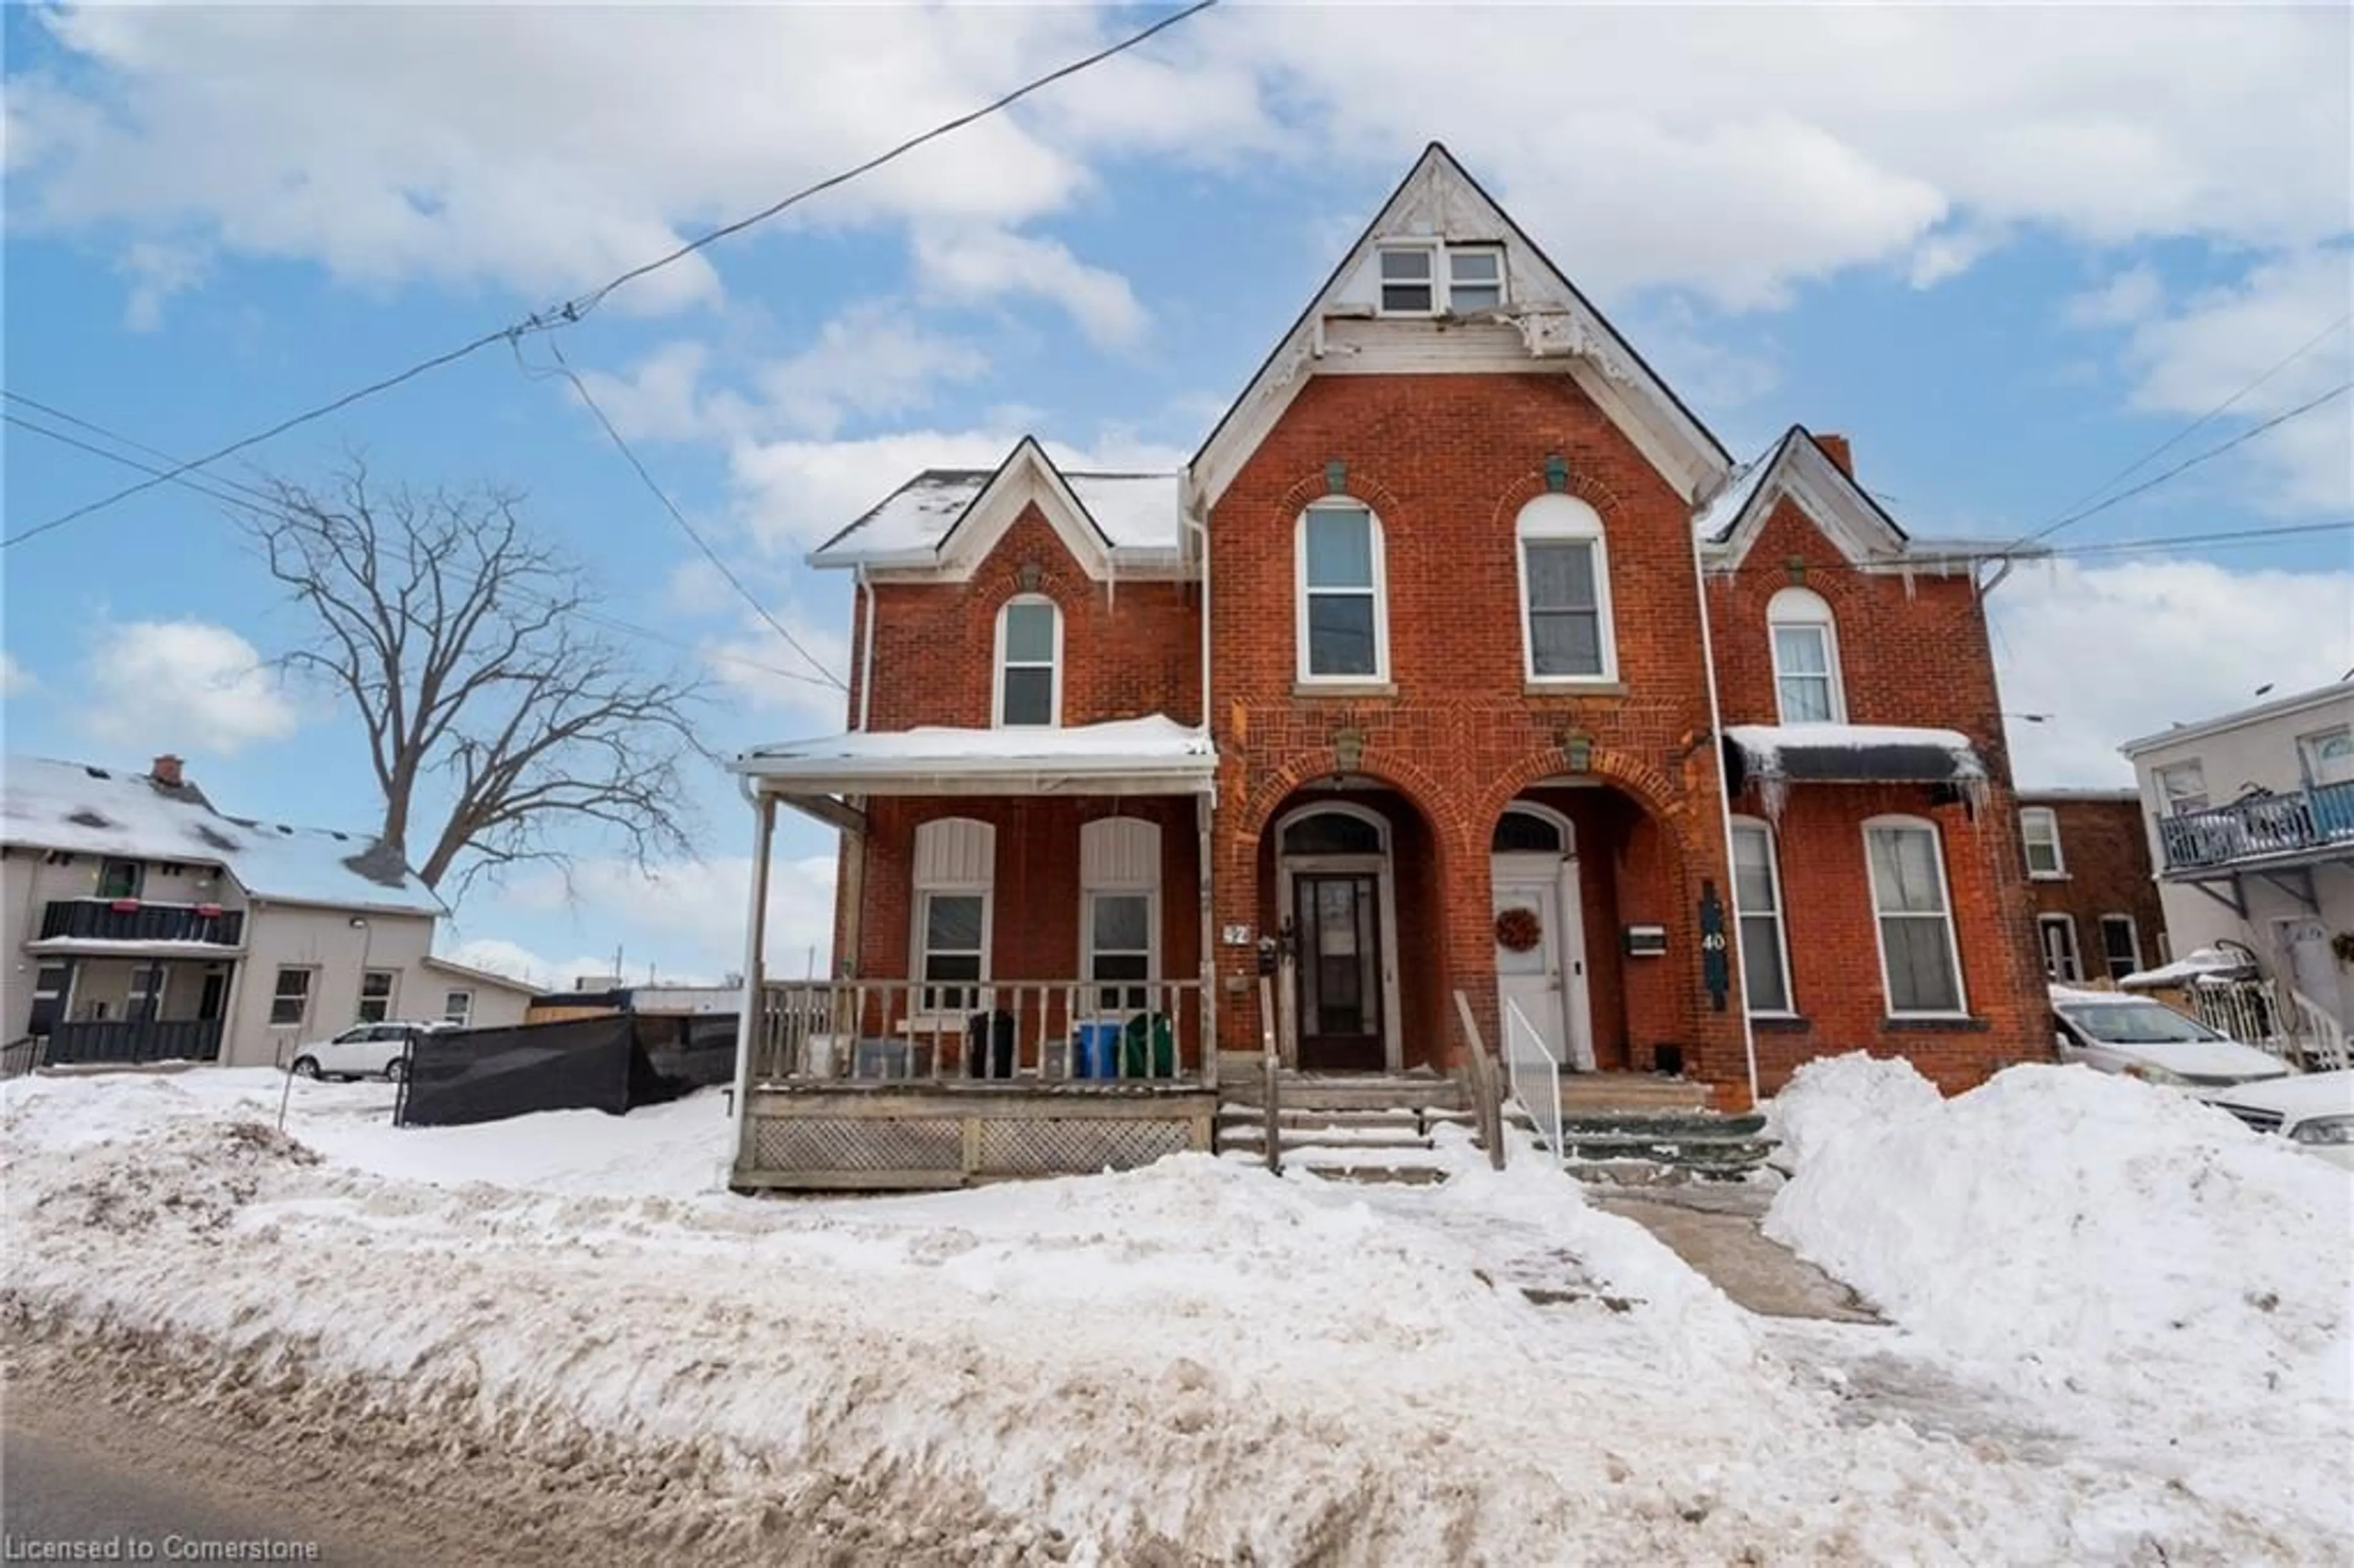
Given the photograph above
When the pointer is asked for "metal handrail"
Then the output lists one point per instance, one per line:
(2261, 825)
(1487, 1093)
(1271, 1067)
(1535, 1074)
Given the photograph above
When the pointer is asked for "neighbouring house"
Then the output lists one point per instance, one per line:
(1461, 680)
(2250, 819)
(2098, 916)
(142, 923)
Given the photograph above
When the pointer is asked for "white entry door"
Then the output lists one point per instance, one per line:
(2313, 968)
(1546, 981)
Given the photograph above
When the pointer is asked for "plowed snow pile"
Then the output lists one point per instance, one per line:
(2135, 1263)
(1194, 1362)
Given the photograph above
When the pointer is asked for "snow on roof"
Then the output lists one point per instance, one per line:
(2199, 964)
(1716, 520)
(1772, 747)
(1154, 745)
(113, 812)
(1134, 511)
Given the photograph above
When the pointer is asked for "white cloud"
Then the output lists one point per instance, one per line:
(2114, 651)
(157, 271)
(1739, 159)
(661, 398)
(685, 918)
(2130, 296)
(181, 685)
(14, 679)
(797, 493)
(980, 264)
(755, 663)
(873, 360)
(2191, 357)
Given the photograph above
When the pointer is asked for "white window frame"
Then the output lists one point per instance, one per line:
(1553, 519)
(1961, 1008)
(458, 1008)
(2133, 930)
(390, 998)
(1798, 608)
(310, 994)
(2312, 763)
(2028, 816)
(1301, 593)
(2168, 802)
(999, 665)
(925, 885)
(1781, 917)
(1095, 880)
(1442, 276)
(2053, 967)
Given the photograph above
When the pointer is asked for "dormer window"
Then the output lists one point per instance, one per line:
(1029, 662)
(1425, 278)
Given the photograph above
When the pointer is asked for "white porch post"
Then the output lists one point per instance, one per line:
(750, 1018)
(1209, 948)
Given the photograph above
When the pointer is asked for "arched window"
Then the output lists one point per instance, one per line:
(1757, 909)
(1527, 832)
(1805, 658)
(955, 878)
(1920, 968)
(1566, 592)
(1029, 662)
(1342, 609)
(1332, 832)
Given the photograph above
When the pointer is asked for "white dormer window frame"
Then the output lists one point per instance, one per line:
(1446, 276)
(1006, 664)
(1806, 617)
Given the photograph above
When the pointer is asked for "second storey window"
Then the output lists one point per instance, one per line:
(119, 878)
(1805, 658)
(1920, 971)
(1029, 662)
(1343, 623)
(2327, 755)
(1565, 591)
(2182, 789)
(2039, 826)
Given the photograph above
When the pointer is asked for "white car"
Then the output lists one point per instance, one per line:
(2113, 1032)
(2313, 1110)
(363, 1051)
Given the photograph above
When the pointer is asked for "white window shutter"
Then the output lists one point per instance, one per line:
(1119, 852)
(955, 852)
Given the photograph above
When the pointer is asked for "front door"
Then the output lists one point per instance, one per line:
(2312, 967)
(1544, 980)
(1337, 917)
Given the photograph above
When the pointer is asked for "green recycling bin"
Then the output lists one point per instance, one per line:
(1156, 1028)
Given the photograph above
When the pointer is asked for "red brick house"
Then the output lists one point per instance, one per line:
(1462, 658)
(2098, 914)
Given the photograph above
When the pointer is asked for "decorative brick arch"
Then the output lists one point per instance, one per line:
(1658, 795)
(1314, 487)
(1271, 789)
(1581, 486)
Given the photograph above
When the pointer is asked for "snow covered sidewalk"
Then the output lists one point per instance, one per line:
(1192, 1363)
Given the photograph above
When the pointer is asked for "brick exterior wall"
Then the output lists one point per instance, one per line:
(2104, 851)
(1446, 462)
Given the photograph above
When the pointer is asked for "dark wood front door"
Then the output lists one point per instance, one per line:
(1338, 918)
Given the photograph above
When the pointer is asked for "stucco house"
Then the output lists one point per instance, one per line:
(1462, 681)
(2250, 818)
(139, 922)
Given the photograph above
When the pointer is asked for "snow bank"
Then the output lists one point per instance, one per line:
(1831, 1097)
(1195, 1362)
(2092, 1242)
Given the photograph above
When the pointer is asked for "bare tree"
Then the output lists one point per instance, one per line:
(461, 641)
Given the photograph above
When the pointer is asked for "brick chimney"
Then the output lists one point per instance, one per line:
(165, 771)
(1835, 447)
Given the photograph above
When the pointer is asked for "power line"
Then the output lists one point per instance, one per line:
(257, 500)
(580, 305)
(678, 516)
(2307, 346)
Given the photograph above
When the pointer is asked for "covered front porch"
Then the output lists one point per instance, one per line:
(95, 1002)
(1022, 981)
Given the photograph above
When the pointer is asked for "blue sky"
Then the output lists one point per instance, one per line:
(2006, 253)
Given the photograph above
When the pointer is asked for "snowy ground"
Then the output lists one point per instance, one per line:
(1201, 1362)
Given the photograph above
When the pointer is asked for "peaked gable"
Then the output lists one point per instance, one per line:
(1542, 322)
(1797, 467)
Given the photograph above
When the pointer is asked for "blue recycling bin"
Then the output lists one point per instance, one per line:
(1095, 1051)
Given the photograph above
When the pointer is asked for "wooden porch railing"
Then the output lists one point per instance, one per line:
(1062, 1031)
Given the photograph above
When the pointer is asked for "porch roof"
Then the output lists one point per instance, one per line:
(1152, 756)
(130, 948)
(1780, 755)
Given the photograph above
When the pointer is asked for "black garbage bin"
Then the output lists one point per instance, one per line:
(989, 1046)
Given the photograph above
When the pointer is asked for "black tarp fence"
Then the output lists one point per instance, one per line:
(613, 1064)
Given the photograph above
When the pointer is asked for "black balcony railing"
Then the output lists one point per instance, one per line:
(132, 920)
(2262, 827)
(133, 1040)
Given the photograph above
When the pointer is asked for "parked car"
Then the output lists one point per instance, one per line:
(363, 1051)
(2313, 1110)
(2113, 1032)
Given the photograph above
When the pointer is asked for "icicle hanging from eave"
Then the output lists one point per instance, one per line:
(1773, 795)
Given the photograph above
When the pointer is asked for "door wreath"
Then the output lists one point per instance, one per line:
(1517, 930)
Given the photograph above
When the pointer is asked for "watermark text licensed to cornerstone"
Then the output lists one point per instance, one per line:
(155, 1549)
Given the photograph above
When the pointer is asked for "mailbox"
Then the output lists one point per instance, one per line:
(1646, 941)
(1269, 957)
